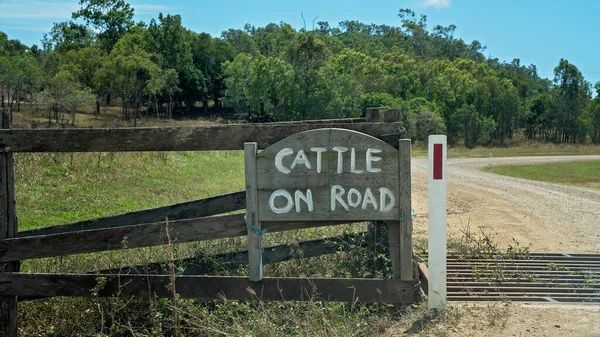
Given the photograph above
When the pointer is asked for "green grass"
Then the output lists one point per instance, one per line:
(584, 173)
(57, 188)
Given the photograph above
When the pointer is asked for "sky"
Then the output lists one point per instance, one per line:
(539, 32)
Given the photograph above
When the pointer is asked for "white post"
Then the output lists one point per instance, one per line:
(490, 161)
(437, 222)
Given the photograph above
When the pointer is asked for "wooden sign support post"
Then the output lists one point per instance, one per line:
(8, 229)
(406, 212)
(255, 239)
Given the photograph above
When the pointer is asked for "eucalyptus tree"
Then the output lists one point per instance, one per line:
(110, 18)
(573, 94)
(174, 43)
(595, 116)
(262, 88)
(128, 69)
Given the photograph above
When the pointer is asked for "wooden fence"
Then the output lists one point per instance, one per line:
(190, 221)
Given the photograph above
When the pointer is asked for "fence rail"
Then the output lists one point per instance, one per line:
(209, 287)
(181, 138)
(200, 265)
(187, 210)
(136, 236)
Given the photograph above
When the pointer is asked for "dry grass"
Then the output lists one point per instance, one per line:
(109, 117)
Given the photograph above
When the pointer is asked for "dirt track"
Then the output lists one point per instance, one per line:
(548, 217)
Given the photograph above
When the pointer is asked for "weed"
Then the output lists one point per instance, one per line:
(482, 245)
(497, 314)
(554, 267)
(469, 245)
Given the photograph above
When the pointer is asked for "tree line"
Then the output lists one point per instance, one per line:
(277, 73)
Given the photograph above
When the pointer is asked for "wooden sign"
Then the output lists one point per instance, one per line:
(328, 174)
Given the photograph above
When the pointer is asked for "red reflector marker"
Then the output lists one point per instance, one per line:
(438, 152)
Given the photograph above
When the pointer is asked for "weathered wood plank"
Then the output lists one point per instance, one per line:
(341, 174)
(329, 121)
(187, 210)
(255, 235)
(8, 229)
(424, 277)
(213, 287)
(183, 138)
(144, 235)
(383, 115)
(393, 232)
(229, 261)
(404, 172)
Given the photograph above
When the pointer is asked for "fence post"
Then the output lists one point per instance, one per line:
(406, 212)
(8, 229)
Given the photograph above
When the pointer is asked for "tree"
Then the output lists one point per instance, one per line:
(241, 41)
(595, 115)
(307, 54)
(173, 42)
(58, 92)
(170, 88)
(573, 94)
(504, 103)
(110, 18)
(84, 64)
(209, 55)
(535, 117)
(78, 98)
(129, 69)
(416, 31)
(66, 36)
(338, 95)
(19, 74)
(11, 47)
(262, 88)
(273, 39)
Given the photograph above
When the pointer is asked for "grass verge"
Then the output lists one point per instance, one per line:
(525, 149)
(583, 173)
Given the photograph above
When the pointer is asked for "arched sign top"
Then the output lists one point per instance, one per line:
(329, 137)
(328, 174)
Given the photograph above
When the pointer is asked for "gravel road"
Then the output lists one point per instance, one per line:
(548, 217)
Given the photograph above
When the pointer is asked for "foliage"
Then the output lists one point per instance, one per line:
(63, 93)
(440, 82)
(19, 76)
(261, 87)
(111, 18)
